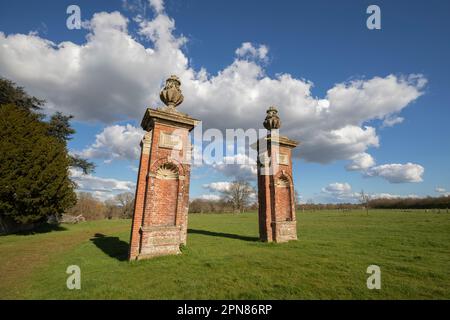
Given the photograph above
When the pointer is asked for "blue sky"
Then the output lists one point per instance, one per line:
(324, 43)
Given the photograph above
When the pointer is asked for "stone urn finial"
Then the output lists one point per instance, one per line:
(171, 94)
(272, 120)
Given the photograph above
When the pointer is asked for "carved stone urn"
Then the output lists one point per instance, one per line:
(272, 120)
(171, 94)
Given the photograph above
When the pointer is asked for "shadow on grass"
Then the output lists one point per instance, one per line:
(43, 228)
(223, 235)
(112, 246)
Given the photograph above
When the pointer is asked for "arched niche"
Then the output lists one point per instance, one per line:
(166, 189)
(283, 201)
(167, 171)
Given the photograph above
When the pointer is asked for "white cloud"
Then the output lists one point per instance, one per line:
(115, 142)
(247, 50)
(392, 196)
(239, 166)
(100, 195)
(140, 6)
(361, 161)
(157, 5)
(325, 146)
(212, 197)
(102, 188)
(397, 173)
(442, 191)
(219, 186)
(342, 192)
(376, 98)
(391, 121)
(337, 188)
(111, 76)
(338, 191)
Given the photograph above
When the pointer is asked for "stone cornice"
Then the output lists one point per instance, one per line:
(283, 141)
(168, 116)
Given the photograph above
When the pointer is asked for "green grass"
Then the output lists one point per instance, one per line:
(223, 260)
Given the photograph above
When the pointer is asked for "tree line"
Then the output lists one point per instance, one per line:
(224, 205)
(120, 206)
(411, 203)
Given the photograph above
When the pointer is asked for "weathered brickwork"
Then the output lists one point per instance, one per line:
(276, 195)
(162, 192)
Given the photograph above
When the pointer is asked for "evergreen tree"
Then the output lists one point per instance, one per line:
(34, 179)
(10, 93)
(59, 124)
(59, 127)
(34, 158)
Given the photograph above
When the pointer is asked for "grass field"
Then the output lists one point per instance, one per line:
(224, 260)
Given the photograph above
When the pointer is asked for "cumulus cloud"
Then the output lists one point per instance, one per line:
(248, 50)
(342, 192)
(361, 161)
(337, 188)
(157, 5)
(376, 98)
(109, 77)
(343, 143)
(213, 197)
(112, 76)
(397, 173)
(103, 188)
(238, 166)
(338, 191)
(115, 142)
(217, 186)
(394, 173)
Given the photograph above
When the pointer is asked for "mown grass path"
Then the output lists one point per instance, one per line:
(224, 260)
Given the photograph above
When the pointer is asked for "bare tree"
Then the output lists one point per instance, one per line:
(126, 203)
(238, 194)
(296, 199)
(112, 209)
(88, 206)
(364, 199)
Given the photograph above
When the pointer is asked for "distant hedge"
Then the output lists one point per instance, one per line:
(411, 203)
(396, 203)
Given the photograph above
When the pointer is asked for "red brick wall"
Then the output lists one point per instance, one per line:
(265, 229)
(166, 194)
(161, 202)
(283, 204)
(276, 203)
